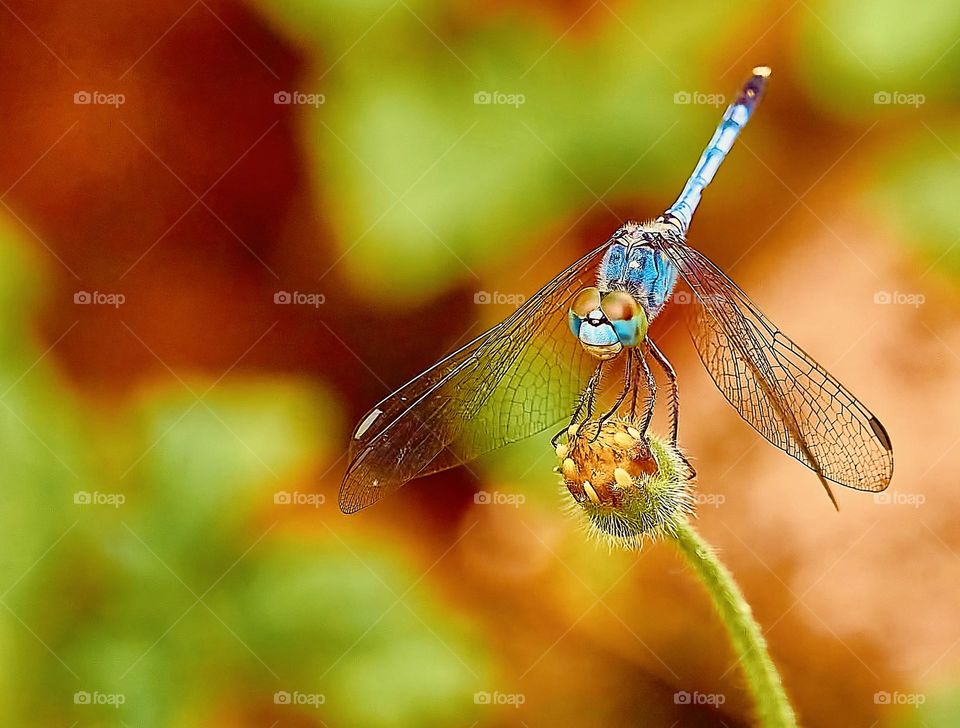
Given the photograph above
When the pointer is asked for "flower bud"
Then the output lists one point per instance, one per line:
(626, 488)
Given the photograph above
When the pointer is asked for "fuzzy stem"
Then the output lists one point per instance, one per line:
(773, 708)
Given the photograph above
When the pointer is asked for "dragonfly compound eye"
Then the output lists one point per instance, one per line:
(583, 304)
(626, 316)
(585, 301)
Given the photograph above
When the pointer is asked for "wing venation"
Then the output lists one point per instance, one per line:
(513, 381)
(781, 391)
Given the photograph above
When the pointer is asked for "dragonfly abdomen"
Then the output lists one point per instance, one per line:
(736, 116)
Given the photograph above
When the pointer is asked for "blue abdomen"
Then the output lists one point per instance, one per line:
(640, 270)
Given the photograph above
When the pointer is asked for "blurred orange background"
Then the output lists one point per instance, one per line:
(173, 431)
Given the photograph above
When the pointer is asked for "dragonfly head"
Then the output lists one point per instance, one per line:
(605, 322)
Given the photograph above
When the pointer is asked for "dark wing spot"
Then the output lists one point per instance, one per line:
(881, 433)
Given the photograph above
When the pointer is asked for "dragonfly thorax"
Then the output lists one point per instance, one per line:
(606, 321)
(635, 263)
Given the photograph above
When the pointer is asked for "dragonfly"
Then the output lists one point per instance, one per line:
(546, 361)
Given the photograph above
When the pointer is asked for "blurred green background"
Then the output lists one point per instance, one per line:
(228, 228)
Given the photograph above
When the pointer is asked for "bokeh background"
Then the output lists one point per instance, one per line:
(203, 287)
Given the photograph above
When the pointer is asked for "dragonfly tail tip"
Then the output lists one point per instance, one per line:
(833, 498)
(753, 89)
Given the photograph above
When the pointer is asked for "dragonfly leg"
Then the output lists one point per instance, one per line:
(652, 396)
(586, 399)
(661, 359)
(633, 397)
(627, 382)
(591, 392)
(667, 368)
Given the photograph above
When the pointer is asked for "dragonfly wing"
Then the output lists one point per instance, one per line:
(515, 380)
(393, 406)
(778, 388)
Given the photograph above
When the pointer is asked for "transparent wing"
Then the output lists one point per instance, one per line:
(518, 378)
(778, 388)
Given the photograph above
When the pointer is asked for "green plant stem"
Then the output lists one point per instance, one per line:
(773, 708)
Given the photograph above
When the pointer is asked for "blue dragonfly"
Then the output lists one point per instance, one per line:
(546, 361)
